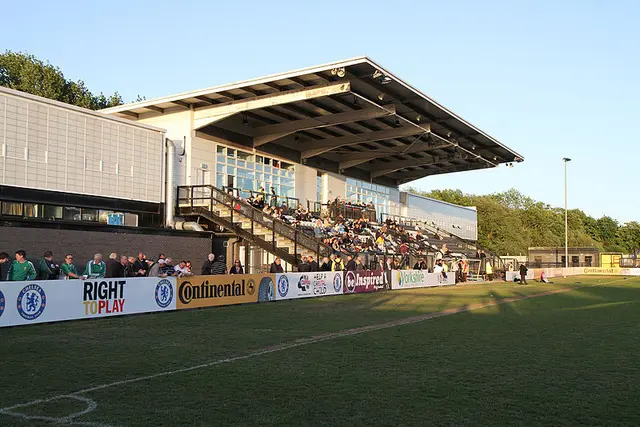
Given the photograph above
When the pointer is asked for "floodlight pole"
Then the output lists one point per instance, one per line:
(566, 222)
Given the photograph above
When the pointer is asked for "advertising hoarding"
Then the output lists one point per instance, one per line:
(308, 285)
(29, 302)
(214, 291)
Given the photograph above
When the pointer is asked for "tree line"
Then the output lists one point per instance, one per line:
(26, 73)
(510, 223)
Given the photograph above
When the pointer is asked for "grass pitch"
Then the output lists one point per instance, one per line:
(570, 358)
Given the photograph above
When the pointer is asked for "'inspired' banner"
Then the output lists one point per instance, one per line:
(364, 281)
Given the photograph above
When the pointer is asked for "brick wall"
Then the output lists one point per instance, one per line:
(84, 243)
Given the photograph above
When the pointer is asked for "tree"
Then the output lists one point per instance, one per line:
(511, 222)
(26, 73)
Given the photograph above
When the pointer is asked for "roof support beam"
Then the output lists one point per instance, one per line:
(154, 108)
(266, 134)
(322, 146)
(181, 103)
(129, 113)
(350, 160)
(391, 167)
(210, 114)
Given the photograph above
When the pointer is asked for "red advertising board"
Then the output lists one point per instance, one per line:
(364, 281)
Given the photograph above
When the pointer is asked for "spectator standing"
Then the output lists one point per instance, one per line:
(47, 269)
(523, 274)
(276, 266)
(489, 270)
(208, 263)
(325, 266)
(68, 270)
(21, 269)
(236, 268)
(181, 269)
(359, 264)
(420, 265)
(130, 268)
(167, 269)
(96, 268)
(219, 266)
(337, 264)
(351, 264)
(4, 266)
(140, 265)
(313, 264)
(155, 270)
(114, 267)
(303, 266)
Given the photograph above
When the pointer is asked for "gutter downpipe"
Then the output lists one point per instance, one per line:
(170, 207)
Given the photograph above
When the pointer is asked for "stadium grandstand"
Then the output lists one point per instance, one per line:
(305, 163)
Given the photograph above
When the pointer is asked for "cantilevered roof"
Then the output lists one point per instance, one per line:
(351, 117)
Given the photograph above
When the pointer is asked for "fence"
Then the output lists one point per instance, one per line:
(23, 303)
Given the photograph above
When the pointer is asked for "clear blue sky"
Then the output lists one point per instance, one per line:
(547, 78)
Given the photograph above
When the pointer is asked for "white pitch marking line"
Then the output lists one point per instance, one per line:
(298, 343)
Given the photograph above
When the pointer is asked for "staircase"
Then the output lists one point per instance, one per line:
(271, 234)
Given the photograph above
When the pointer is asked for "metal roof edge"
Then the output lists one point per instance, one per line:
(471, 208)
(75, 108)
(235, 85)
(432, 101)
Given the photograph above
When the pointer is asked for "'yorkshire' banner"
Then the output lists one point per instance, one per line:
(213, 291)
(405, 279)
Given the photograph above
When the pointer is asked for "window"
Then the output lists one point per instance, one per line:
(588, 260)
(71, 214)
(10, 208)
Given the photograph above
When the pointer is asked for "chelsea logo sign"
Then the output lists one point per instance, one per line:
(164, 293)
(31, 302)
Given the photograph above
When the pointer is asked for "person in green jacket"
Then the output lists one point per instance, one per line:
(47, 269)
(21, 269)
(95, 269)
(68, 270)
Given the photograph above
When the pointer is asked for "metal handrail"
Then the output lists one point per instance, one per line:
(256, 216)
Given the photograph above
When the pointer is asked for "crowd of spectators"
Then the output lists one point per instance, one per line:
(45, 268)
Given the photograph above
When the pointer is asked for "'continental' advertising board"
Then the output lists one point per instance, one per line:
(364, 281)
(24, 303)
(213, 291)
(405, 279)
(308, 285)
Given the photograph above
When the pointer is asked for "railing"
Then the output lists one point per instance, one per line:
(270, 199)
(345, 210)
(207, 197)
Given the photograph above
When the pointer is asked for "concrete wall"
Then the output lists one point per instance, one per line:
(306, 184)
(178, 129)
(444, 215)
(334, 185)
(52, 146)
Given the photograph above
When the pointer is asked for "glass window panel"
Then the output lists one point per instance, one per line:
(267, 169)
(246, 184)
(220, 168)
(231, 161)
(243, 155)
(221, 159)
(90, 215)
(220, 149)
(258, 167)
(70, 213)
(366, 185)
(231, 152)
(283, 173)
(259, 159)
(9, 208)
(54, 212)
(260, 176)
(241, 163)
(219, 180)
(267, 177)
(32, 210)
(231, 170)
